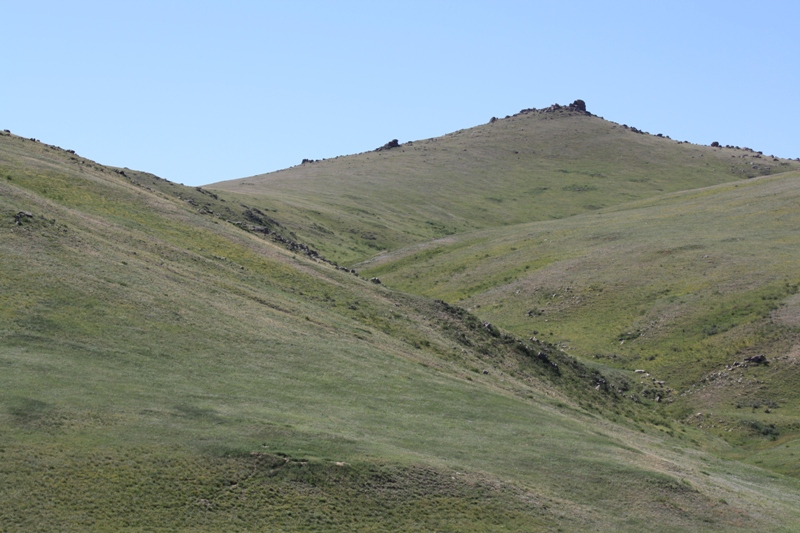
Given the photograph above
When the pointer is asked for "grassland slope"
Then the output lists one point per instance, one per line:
(698, 288)
(164, 368)
(536, 165)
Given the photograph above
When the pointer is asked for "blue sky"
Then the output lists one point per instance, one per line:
(198, 92)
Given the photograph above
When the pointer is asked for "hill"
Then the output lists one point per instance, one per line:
(173, 359)
(537, 165)
(699, 288)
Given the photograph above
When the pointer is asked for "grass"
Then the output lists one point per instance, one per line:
(163, 368)
(683, 286)
(529, 167)
(210, 494)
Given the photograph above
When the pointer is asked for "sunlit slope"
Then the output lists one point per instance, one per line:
(537, 165)
(682, 286)
(164, 369)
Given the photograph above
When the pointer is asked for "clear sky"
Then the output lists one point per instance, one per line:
(199, 91)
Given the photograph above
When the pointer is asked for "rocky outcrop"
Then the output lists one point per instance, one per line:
(576, 107)
(394, 143)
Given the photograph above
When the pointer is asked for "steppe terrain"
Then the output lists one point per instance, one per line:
(549, 322)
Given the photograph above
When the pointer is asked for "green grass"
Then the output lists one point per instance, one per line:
(529, 167)
(162, 368)
(255, 491)
(681, 286)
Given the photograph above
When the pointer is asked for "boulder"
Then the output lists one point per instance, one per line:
(579, 105)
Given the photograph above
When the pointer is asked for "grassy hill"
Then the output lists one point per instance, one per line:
(537, 165)
(177, 358)
(686, 286)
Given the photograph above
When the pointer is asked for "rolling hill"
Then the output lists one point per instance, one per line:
(537, 165)
(184, 359)
(693, 287)
(629, 250)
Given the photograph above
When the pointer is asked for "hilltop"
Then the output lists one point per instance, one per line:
(540, 164)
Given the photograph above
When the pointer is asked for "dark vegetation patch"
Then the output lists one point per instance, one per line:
(575, 187)
(761, 428)
(136, 488)
(29, 411)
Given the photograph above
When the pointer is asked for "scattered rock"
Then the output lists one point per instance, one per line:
(21, 215)
(493, 331)
(757, 360)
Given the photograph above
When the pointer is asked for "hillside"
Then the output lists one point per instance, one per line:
(174, 359)
(537, 165)
(687, 286)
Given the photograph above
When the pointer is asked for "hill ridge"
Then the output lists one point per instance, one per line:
(534, 165)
